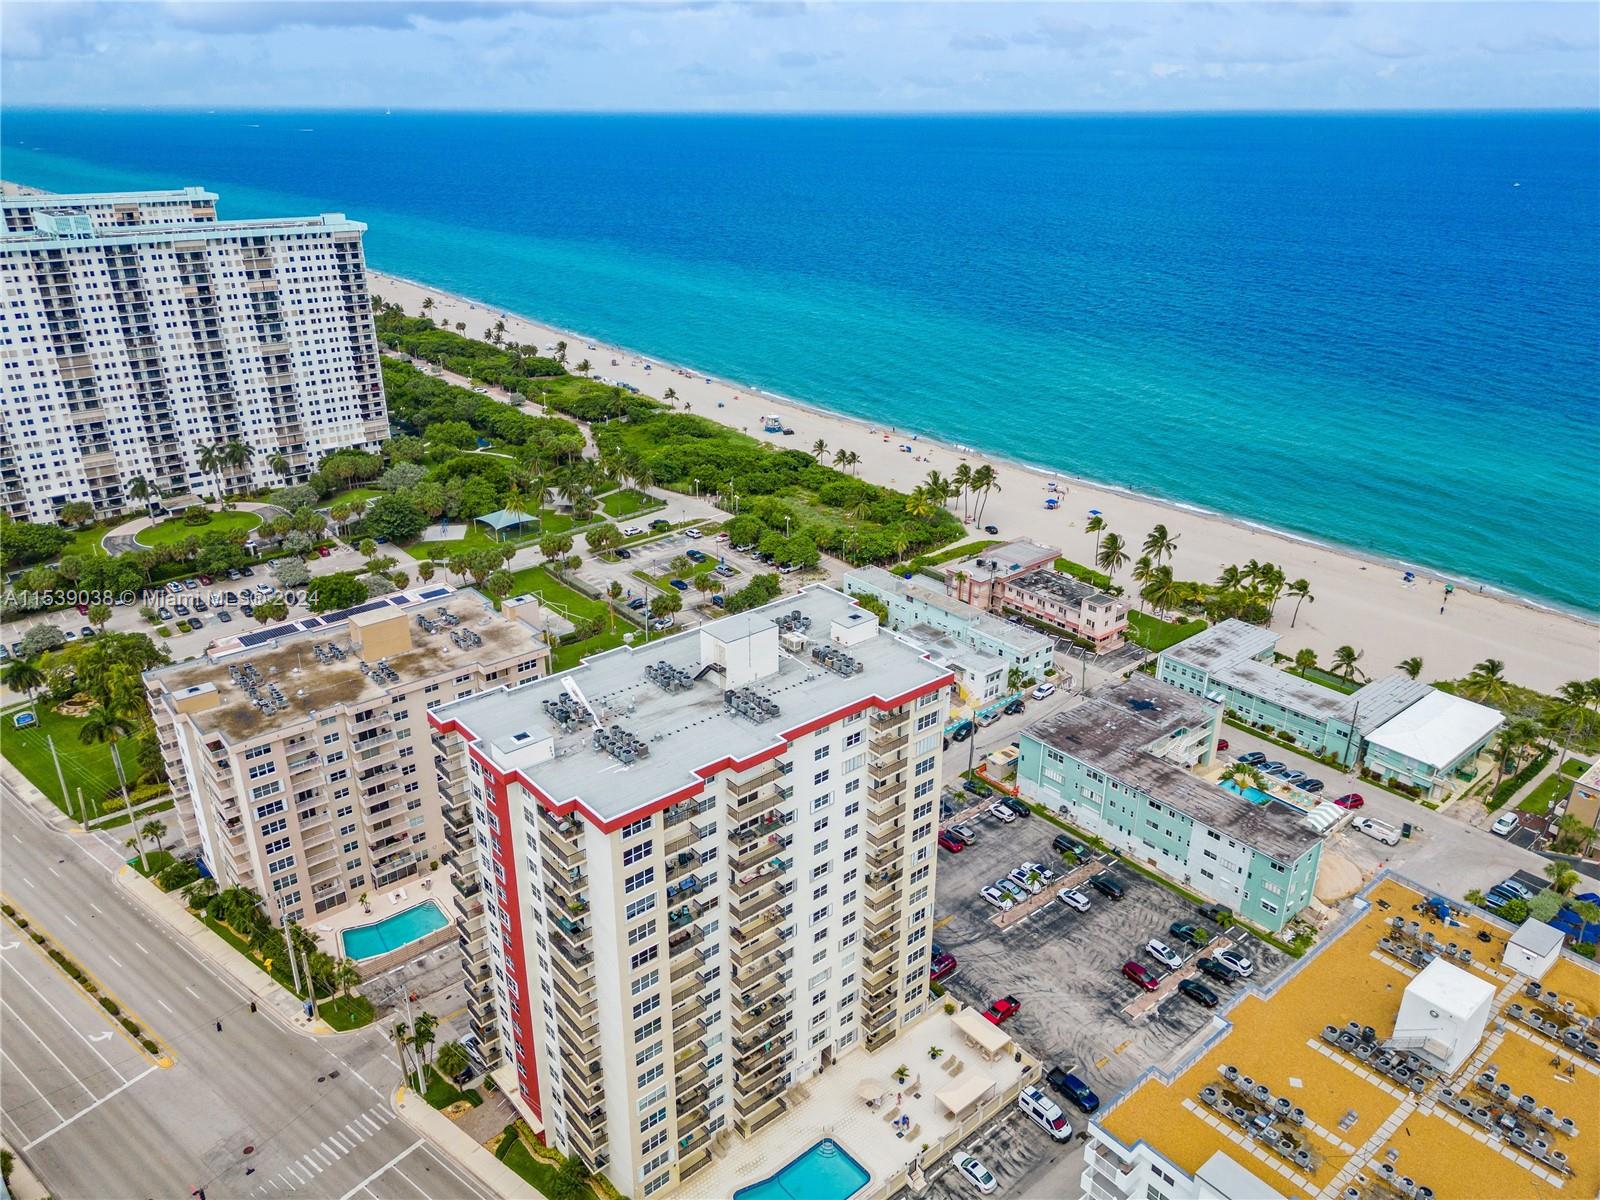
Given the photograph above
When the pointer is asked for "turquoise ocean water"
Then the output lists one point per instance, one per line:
(1379, 331)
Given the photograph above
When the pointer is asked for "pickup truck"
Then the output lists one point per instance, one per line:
(1003, 1009)
(1381, 830)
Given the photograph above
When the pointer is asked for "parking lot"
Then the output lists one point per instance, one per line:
(1064, 966)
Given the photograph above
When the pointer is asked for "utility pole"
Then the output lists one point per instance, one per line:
(127, 805)
(83, 809)
(66, 796)
(288, 940)
(311, 984)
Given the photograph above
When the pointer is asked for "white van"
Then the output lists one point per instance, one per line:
(1382, 830)
(1045, 1112)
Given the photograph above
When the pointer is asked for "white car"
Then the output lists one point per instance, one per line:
(965, 832)
(1238, 961)
(1044, 690)
(1504, 825)
(974, 1171)
(996, 897)
(1073, 898)
(1163, 953)
(1026, 881)
(631, 531)
(693, 533)
(1002, 813)
(1039, 869)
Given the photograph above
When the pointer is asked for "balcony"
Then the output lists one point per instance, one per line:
(759, 849)
(684, 940)
(749, 1045)
(886, 836)
(688, 914)
(887, 790)
(687, 833)
(885, 720)
(748, 882)
(887, 743)
(742, 788)
(686, 1013)
(754, 996)
(749, 907)
(882, 770)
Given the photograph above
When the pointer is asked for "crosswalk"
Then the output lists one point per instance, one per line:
(303, 1171)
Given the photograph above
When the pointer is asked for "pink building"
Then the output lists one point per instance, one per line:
(981, 580)
(1081, 609)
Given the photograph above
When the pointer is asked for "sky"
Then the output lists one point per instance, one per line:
(782, 56)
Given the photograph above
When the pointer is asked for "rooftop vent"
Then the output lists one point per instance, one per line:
(794, 621)
(380, 672)
(836, 661)
(620, 744)
(268, 698)
(327, 652)
(668, 677)
(750, 704)
(565, 712)
(466, 639)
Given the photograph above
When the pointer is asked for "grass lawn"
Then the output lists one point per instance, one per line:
(441, 1093)
(1573, 768)
(175, 529)
(354, 495)
(159, 861)
(570, 655)
(1328, 680)
(1155, 634)
(346, 1012)
(628, 501)
(87, 541)
(948, 554)
(86, 767)
(1543, 798)
(555, 594)
(541, 1176)
(1086, 574)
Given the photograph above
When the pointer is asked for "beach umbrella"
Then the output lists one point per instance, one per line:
(1094, 512)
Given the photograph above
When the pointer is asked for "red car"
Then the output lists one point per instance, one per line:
(1352, 800)
(206, 579)
(942, 967)
(1222, 743)
(951, 842)
(83, 610)
(1003, 1009)
(1141, 974)
(323, 552)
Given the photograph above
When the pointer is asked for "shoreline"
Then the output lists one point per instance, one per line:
(1543, 643)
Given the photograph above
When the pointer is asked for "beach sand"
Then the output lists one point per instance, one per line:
(1360, 602)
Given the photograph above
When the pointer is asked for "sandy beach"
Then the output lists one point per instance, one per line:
(1358, 601)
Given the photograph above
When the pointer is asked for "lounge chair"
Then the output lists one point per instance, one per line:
(892, 1115)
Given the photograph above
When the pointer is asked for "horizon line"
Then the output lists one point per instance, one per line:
(389, 109)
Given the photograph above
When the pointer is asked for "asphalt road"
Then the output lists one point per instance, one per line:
(252, 1110)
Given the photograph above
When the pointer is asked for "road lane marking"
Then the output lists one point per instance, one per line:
(392, 1162)
(30, 1030)
(370, 1121)
(344, 1144)
(23, 979)
(191, 991)
(52, 870)
(70, 921)
(90, 1109)
(142, 950)
(412, 1182)
(111, 956)
(27, 881)
(23, 1075)
(312, 1166)
(96, 907)
(473, 1188)
(165, 1005)
(359, 1134)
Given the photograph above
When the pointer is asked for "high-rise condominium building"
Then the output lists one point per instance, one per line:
(136, 328)
(718, 849)
(299, 754)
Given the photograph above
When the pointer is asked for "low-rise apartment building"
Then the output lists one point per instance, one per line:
(980, 580)
(708, 867)
(910, 602)
(1117, 766)
(299, 754)
(1094, 617)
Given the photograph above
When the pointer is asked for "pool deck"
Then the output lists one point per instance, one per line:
(433, 886)
(829, 1105)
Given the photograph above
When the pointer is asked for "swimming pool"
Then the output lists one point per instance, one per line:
(1252, 794)
(391, 933)
(824, 1172)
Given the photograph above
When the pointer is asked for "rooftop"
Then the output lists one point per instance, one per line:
(287, 657)
(1357, 1121)
(688, 733)
(198, 231)
(1061, 587)
(1110, 731)
(80, 199)
(1224, 644)
(944, 648)
(1021, 639)
(1001, 561)
(1438, 729)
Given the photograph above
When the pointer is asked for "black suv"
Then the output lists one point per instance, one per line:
(1062, 844)
(1074, 1089)
(1016, 806)
(1107, 885)
(1217, 969)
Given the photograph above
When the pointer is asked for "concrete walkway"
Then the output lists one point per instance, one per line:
(270, 996)
(458, 1145)
(125, 536)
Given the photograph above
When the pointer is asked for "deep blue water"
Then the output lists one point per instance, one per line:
(1353, 327)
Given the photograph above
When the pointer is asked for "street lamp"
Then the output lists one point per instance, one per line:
(697, 489)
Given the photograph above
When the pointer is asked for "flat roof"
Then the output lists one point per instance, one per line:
(197, 231)
(690, 733)
(1355, 1119)
(1438, 729)
(1063, 587)
(311, 684)
(1110, 730)
(1538, 938)
(1223, 645)
(1021, 639)
(1006, 559)
(942, 645)
(78, 199)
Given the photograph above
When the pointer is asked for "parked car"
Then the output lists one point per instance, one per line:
(1074, 1089)
(1350, 800)
(247, 610)
(949, 841)
(1188, 931)
(1220, 913)
(1505, 825)
(996, 897)
(718, 602)
(1003, 1009)
(1291, 776)
(1039, 869)
(661, 523)
(636, 603)
(1142, 975)
(1016, 806)
(224, 615)
(698, 556)
(693, 533)
(1001, 813)
(70, 634)
(631, 531)
(206, 579)
(1026, 880)
(661, 623)
(86, 632)
(1045, 1113)
(1381, 830)
(725, 571)
(1073, 898)
(83, 610)
(624, 552)
(1272, 768)
(1222, 744)
(199, 604)
(1311, 785)
(942, 965)
(1198, 992)
(679, 584)
(965, 832)
(1219, 971)
(1238, 960)
(1108, 885)
(1250, 758)
(1163, 954)
(977, 787)
(1011, 888)
(973, 1171)
(991, 529)
(1497, 898)
(247, 572)
(1044, 690)
(1015, 708)
(191, 584)
(322, 552)
(1063, 844)
(1511, 885)
(962, 731)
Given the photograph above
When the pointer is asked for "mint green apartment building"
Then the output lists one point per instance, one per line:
(1118, 766)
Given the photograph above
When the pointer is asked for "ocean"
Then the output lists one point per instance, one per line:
(1381, 331)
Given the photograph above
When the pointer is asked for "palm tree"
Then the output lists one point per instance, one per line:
(1300, 591)
(1160, 544)
(938, 488)
(1095, 525)
(23, 675)
(1411, 666)
(453, 1059)
(211, 462)
(345, 976)
(923, 503)
(1244, 775)
(1111, 557)
(139, 489)
(1142, 570)
(845, 458)
(1486, 682)
(583, 367)
(984, 481)
(280, 466)
(1562, 877)
(156, 831)
(1162, 589)
(669, 396)
(422, 1035)
(818, 449)
(1344, 663)
(961, 480)
(237, 454)
(402, 1041)
(427, 303)
(1304, 660)
(1231, 579)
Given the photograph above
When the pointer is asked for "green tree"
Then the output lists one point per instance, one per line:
(499, 584)
(328, 593)
(1111, 557)
(1411, 666)
(665, 604)
(23, 675)
(453, 1059)
(139, 489)
(555, 545)
(1095, 525)
(818, 449)
(423, 1031)
(571, 1181)
(1304, 660)
(1300, 592)
(104, 726)
(1345, 659)
(76, 512)
(99, 613)
(1160, 544)
(156, 831)
(1486, 682)
(1562, 877)
(271, 610)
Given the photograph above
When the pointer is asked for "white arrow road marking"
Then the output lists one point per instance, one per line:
(100, 1037)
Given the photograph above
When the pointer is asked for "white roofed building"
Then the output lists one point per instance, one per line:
(1431, 742)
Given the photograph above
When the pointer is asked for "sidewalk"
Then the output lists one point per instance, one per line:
(269, 995)
(443, 1134)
